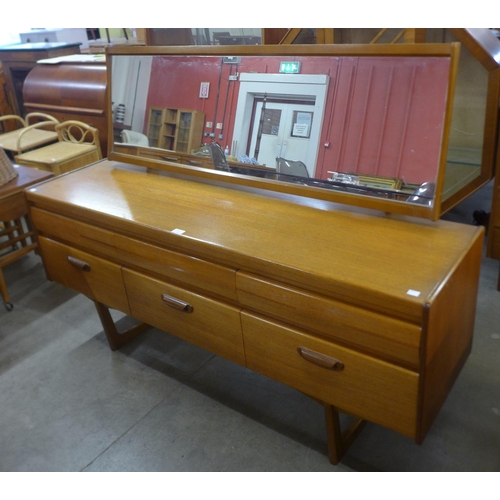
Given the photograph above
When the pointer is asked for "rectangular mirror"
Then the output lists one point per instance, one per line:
(354, 124)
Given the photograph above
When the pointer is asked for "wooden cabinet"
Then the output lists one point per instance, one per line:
(19, 59)
(175, 129)
(155, 127)
(66, 35)
(71, 90)
(368, 313)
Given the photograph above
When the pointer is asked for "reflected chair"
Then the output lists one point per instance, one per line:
(291, 167)
(29, 135)
(424, 194)
(218, 157)
(136, 138)
(78, 145)
(217, 35)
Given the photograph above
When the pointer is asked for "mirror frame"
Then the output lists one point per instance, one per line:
(450, 50)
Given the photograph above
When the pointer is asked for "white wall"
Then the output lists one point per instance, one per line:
(130, 85)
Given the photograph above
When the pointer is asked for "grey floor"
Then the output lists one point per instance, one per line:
(68, 403)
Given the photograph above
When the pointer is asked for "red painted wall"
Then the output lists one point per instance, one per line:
(383, 116)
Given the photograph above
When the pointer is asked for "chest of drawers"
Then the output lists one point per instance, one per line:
(368, 313)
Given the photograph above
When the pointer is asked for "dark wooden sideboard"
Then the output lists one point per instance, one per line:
(369, 313)
(70, 91)
(19, 59)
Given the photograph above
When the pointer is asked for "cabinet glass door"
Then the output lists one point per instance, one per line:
(183, 132)
(155, 122)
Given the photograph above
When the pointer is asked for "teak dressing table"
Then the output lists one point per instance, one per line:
(350, 299)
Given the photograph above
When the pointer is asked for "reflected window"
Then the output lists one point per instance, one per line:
(204, 36)
(271, 123)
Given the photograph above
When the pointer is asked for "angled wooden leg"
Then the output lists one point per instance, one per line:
(4, 292)
(338, 440)
(115, 338)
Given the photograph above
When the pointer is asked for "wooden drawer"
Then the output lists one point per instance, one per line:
(205, 322)
(160, 154)
(198, 273)
(96, 278)
(367, 387)
(211, 277)
(198, 161)
(69, 231)
(389, 338)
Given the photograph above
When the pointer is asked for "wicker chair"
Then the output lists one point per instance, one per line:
(7, 170)
(33, 134)
(78, 145)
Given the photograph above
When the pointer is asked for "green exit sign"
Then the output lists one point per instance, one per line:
(289, 67)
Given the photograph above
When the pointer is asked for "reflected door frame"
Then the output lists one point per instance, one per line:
(277, 86)
(282, 142)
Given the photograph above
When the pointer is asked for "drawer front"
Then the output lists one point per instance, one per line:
(83, 235)
(211, 277)
(205, 322)
(388, 338)
(361, 385)
(164, 155)
(96, 278)
(199, 273)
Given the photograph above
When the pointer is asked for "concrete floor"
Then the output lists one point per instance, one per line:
(68, 403)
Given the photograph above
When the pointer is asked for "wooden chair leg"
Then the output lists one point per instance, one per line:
(115, 338)
(8, 230)
(338, 440)
(20, 232)
(4, 292)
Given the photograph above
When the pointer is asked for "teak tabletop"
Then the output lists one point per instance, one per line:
(27, 177)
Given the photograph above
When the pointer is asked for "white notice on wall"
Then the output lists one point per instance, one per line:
(301, 130)
(302, 124)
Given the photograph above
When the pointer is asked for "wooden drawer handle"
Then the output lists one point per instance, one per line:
(79, 264)
(320, 359)
(180, 305)
(170, 158)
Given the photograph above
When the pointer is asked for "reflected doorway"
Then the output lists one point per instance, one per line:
(283, 128)
(299, 103)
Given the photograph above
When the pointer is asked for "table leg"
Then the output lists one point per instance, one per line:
(338, 440)
(115, 338)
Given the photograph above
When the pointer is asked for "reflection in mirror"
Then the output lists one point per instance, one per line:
(465, 151)
(366, 125)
